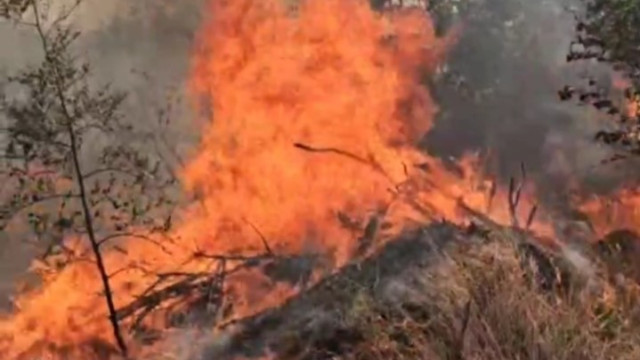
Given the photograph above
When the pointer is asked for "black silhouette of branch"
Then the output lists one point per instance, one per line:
(514, 197)
(262, 237)
(186, 285)
(368, 162)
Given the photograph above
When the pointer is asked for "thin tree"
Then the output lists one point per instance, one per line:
(69, 163)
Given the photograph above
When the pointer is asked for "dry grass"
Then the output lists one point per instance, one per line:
(480, 305)
(467, 297)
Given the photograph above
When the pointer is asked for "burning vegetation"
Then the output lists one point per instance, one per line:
(316, 227)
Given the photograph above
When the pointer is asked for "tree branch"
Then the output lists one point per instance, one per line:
(95, 172)
(65, 15)
(133, 235)
(371, 163)
(265, 243)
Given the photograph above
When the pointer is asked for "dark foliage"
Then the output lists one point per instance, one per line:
(607, 32)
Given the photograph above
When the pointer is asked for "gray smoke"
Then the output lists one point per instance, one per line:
(141, 47)
(145, 49)
(498, 95)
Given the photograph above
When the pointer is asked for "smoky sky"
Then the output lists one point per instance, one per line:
(498, 96)
(141, 47)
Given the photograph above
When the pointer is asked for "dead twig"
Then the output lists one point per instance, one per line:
(369, 162)
(187, 285)
(492, 194)
(532, 214)
(136, 236)
(514, 197)
(262, 237)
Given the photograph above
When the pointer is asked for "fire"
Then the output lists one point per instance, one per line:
(616, 211)
(316, 112)
(630, 103)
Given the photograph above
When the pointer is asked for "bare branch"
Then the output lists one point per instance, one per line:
(514, 195)
(257, 258)
(530, 218)
(262, 237)
(369, 162)
(155, 295)
(66, 13)
(147, 238)
(512, 203)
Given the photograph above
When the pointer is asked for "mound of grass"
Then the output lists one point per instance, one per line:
(444, 292)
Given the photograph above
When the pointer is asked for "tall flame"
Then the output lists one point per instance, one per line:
(317, 110)
(314, 114)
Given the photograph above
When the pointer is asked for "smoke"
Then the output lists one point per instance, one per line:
(139, 47)
(144, 49)
(15, 255)
(498, 96)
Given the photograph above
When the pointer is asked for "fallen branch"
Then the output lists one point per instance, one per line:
(188, 286)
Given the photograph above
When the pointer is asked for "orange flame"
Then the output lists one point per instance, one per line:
(621, 84)
(337, 78)
(616, 211)
(317, 109)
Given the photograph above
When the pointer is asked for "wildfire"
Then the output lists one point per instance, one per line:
(317, 110)
(618, 210)
(631, 103)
